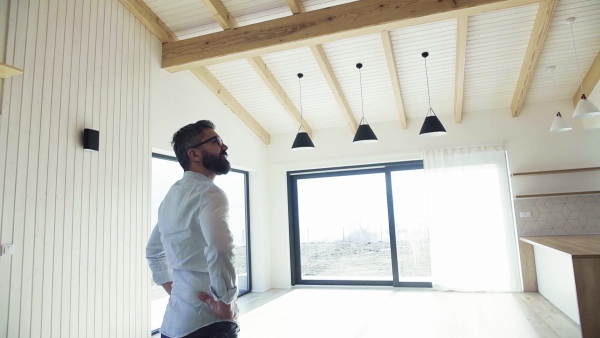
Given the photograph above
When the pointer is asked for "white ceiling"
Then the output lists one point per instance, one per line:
(496, 46)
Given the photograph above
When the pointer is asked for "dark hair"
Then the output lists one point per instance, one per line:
(185, 137)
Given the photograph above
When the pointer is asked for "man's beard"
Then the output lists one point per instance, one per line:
(216, 164)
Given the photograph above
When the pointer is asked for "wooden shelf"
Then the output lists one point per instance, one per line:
(561, 171)
(8, 71)
(559, 194)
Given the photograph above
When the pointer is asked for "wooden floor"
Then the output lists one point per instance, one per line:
(361, 313)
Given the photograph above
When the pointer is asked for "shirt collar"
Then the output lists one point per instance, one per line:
(195, 175)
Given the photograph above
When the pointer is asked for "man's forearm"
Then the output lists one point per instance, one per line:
(157, 259)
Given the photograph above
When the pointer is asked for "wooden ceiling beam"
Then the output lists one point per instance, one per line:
(462, 26)
(163, 33)
(269, 79)
(590, 80)
(147, 17)
(317, 27)
(225, 96)
(334, 85)
(318, 52)
(534, 49)
(220, 13)
(393, 70)
(296, 6)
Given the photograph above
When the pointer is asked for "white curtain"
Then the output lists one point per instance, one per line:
(472, 232)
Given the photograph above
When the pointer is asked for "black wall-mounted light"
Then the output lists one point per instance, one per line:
(91, 139)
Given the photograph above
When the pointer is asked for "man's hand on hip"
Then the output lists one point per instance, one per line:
(222, 310)
(168, 286)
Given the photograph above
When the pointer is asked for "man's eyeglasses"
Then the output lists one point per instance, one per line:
(215, 139)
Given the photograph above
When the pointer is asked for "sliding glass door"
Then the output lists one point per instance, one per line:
(412, 231)
(235, 185)
(344, 235)
(359, 226)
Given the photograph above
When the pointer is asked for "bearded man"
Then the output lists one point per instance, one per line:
(190, 251)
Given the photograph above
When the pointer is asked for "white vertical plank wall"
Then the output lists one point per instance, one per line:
(77, 219)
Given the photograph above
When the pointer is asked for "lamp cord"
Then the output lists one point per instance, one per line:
(300, 85)
(427, 78)
(554, 87)
(362, 103)
(576, 60)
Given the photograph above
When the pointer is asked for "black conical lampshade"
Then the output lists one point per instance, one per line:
(432, 127)
(364, 134)
(302, 141)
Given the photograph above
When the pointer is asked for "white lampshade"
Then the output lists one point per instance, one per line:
(585, 108)
(560, 124)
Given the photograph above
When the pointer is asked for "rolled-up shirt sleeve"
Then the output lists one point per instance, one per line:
(219, 246)
(157, 259)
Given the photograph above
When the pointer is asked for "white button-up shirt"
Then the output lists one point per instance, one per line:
(192, 246)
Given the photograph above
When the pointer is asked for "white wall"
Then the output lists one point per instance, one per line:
(556, 280)
(530, 146)
(3, 33)
(77, 220)
(3, 27)
(180, 98)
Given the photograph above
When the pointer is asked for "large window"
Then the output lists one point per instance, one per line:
(344, 235)
(360, 226)
(235, 185)
(165, 172)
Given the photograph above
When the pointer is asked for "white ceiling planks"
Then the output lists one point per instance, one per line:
(558, 50)
(181, 15)
(439, 40)
(249, 12)
(251, 92)
(313, 5)
(496, 46)
(379, 101)
(318, 104)
(197, 31)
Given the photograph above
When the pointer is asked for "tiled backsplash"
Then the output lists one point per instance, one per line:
(569, 215)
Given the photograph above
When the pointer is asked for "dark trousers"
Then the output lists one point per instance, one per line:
(215, 330)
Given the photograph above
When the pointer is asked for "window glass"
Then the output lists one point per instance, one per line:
(412, 229)
(234, 185)
(165, 173)
(343, 226)
(362, 225)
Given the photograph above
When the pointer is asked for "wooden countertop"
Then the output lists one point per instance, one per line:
(581, 246)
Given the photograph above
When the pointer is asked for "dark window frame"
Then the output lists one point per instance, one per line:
(294, 229)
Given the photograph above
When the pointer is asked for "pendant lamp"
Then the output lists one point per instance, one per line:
(364, 133)
(559, 124)
(585, 107)
(432, 125)
(302, 140)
